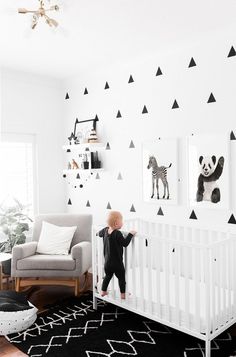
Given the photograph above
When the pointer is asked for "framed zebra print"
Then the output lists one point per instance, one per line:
(208, 171)
(160, 171)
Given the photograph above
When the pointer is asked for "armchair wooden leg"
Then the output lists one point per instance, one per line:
(76, 286)
(86, 281)
(17, 284)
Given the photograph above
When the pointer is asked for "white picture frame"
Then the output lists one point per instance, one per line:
(209, 188)
(165, 151)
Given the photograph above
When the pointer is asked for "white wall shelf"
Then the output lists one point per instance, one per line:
(79, 152)
(69, 171)
(84, 146)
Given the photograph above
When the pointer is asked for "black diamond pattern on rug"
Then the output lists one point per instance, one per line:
(73, 328)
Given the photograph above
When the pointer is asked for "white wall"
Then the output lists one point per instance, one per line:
(32, 104)
(191, 87)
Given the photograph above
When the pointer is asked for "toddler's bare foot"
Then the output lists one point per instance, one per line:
(122, 295)
(104, 293)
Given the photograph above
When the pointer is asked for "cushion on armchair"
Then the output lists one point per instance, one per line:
(55, 239)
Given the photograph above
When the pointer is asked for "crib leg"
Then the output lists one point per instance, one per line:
(95, 305)
(208, 349)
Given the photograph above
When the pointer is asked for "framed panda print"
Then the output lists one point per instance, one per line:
(208, 171)
(160, 171)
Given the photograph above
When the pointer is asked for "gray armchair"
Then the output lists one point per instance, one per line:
(26, 263)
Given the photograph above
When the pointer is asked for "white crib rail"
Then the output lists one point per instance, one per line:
(180, 276)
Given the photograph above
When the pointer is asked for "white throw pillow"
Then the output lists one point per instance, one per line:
(55, 239)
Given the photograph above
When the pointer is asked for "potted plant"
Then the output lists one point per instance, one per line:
(14, 222)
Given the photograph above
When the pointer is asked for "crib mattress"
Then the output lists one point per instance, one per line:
(161, 302)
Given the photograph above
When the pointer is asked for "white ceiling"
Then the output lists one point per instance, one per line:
(98, 33)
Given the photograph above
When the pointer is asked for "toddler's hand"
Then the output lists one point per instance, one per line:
(133, 232)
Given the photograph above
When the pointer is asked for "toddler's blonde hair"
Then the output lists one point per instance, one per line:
(112, 218)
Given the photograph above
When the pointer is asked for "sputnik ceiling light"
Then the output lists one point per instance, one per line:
(41, 12)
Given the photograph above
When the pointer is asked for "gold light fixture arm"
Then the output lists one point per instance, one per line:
(41, 12)
(50, 21)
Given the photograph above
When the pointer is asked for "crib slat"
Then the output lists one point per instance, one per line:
(231, 270)
(223, 276)
(177, 281)
(100, 262)
(186, 285)
(207, 289)
(126, 259)
(95, 263)
(212, 285)
(133, 267)
(141, 267)
(197, 287)
(145, 272)
(218, 284)
(234, 269)
(228, 292)
(149, 250)
(167, 277)
(158, 249)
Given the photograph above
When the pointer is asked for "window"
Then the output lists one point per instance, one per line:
(17, 167)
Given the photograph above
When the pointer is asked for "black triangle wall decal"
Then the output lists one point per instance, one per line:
(232, 136)
(132, 209)
(131, 145)
(192, 215)
(119, 177)
(106, 86)
(131, 80)
(159, 72)
(232, 52)
(78, 176)
(108, 205)
(192, 63)
(145, 111)
(97, 176)
(175, 105)
(69, 202)
(211, 99)
(86, 91)
(160, 212)
(68, 150)
(67, 96)
(88, 204)
(232, 219)
(118, 114)
(108, 146)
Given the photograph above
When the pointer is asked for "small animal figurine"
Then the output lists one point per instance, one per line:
(74, 165)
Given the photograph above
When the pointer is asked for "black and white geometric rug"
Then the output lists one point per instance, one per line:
(72, 328)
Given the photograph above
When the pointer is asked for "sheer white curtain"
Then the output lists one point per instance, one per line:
(18, 170)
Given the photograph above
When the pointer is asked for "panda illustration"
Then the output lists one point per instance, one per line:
(210, 172)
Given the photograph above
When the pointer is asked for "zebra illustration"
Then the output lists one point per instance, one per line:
(159, 172)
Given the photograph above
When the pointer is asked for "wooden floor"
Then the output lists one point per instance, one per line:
(39, 296)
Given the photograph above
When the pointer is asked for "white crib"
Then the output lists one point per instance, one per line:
(180, 276)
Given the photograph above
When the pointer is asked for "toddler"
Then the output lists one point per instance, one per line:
(113, 243)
